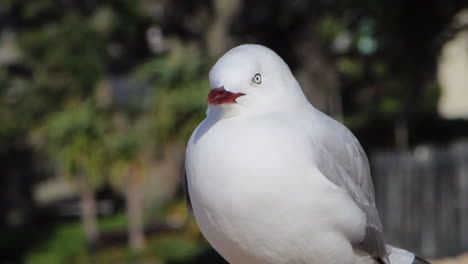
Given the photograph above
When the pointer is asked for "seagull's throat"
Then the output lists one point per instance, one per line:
(219, 96)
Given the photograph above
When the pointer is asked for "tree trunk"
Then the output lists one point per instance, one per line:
(217, 36)
(88, 214)
(134, 212)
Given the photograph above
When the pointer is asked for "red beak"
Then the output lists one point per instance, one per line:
(219, 96)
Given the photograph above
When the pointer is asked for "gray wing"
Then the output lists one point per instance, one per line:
(343, 161)
(186, 192)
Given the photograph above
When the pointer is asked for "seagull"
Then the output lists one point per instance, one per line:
(272, 180)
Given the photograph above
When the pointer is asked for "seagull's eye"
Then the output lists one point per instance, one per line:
(257, 78)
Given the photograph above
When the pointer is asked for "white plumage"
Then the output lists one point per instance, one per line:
(272, 179)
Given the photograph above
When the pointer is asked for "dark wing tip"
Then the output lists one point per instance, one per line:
(418, 260)
(380, 260)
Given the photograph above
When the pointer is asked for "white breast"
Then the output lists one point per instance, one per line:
(258, 198)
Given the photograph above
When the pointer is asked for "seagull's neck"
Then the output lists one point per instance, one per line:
(215, 114)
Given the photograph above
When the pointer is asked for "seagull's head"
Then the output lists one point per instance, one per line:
(251, 79)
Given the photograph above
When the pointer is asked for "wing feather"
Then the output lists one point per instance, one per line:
(340, 157)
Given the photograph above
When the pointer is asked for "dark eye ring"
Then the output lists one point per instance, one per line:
(257, 78)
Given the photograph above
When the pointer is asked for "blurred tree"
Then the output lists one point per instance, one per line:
(127, 145)
(65, 54)
(73, 139)
(70, 47)
(179, 94)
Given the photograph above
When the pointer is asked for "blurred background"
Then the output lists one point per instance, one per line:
(98, 98)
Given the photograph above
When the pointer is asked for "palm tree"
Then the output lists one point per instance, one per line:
(72, 138)
(177, 104)
(178, 99)
(126, 146)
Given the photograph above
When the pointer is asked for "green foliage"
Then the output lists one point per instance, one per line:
(329, 27)
(15, 115)
(66, 46)
(66, 245)
(390, 106)
(352, 68)
(379, 69)
(73, 65)
(115, 222)
(173, 248)
(73, 138)
(180, 88)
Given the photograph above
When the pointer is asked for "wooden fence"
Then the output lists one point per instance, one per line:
(422, 197)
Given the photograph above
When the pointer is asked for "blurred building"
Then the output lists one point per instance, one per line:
(453, 71)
